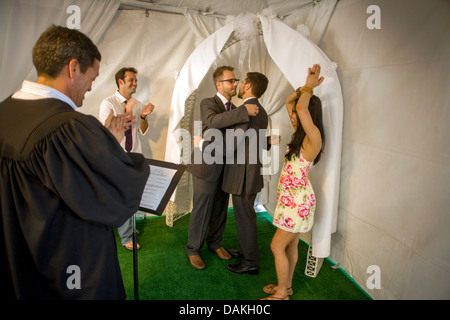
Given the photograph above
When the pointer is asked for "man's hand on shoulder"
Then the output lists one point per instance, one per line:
(252, 109)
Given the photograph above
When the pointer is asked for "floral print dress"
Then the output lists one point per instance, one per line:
(296, 201)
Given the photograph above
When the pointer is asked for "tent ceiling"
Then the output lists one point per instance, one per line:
(219, 7)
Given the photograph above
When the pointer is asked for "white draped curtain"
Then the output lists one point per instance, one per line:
(23, 21)
(250, 53)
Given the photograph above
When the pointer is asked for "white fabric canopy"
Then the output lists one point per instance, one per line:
(293, 53)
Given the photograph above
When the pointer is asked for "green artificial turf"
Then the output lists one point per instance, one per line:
(164, 272)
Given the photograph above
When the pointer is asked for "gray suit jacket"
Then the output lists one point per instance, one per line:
(246, 178)
(214, 116)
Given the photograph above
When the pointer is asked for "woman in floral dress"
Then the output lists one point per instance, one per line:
(296, 201)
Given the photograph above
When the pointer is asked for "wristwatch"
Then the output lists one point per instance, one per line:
(143, 118)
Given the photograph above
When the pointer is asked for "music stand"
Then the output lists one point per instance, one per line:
(161, 183)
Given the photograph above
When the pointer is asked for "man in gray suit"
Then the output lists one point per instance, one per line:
(210, 203)
(242, 179)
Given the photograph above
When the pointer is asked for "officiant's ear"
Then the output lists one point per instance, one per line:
(73, 66)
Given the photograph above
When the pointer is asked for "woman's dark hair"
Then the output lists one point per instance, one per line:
(315, 109)
(58, 45)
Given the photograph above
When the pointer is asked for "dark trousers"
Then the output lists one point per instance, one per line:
(245, 216)
(208, 217)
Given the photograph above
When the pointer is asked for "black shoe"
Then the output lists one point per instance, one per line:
(239, 268)
(235, 253)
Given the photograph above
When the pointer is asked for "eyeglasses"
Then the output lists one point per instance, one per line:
(232, 81)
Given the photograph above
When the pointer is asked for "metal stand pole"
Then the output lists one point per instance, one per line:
(135, 260)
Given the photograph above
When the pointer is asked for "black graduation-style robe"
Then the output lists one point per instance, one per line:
(64, 183)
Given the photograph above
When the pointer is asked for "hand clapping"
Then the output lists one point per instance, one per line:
(117, 125)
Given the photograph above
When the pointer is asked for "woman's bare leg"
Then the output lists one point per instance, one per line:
(285, 253)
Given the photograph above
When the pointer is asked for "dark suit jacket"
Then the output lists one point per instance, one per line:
(245, 178)
(214, 116)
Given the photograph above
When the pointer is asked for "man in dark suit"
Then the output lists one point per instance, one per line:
(210, 203)
(242, 172)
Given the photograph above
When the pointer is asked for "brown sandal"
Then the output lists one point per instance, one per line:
(271, 289)
(272, 297)
(129, 246)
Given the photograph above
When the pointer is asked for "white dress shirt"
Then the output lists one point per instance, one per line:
(116, 102)
(224, 100)
(33, 91)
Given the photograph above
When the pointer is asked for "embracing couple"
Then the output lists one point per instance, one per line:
(212, 183)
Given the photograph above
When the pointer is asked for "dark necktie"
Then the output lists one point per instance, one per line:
(128, 137)
(228, 105)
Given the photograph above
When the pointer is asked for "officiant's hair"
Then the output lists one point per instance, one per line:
(58, 45)
(121, 74)
(218, 73)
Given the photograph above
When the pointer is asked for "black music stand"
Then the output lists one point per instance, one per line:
(161, 183)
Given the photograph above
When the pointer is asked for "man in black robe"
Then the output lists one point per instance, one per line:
(64, 180)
